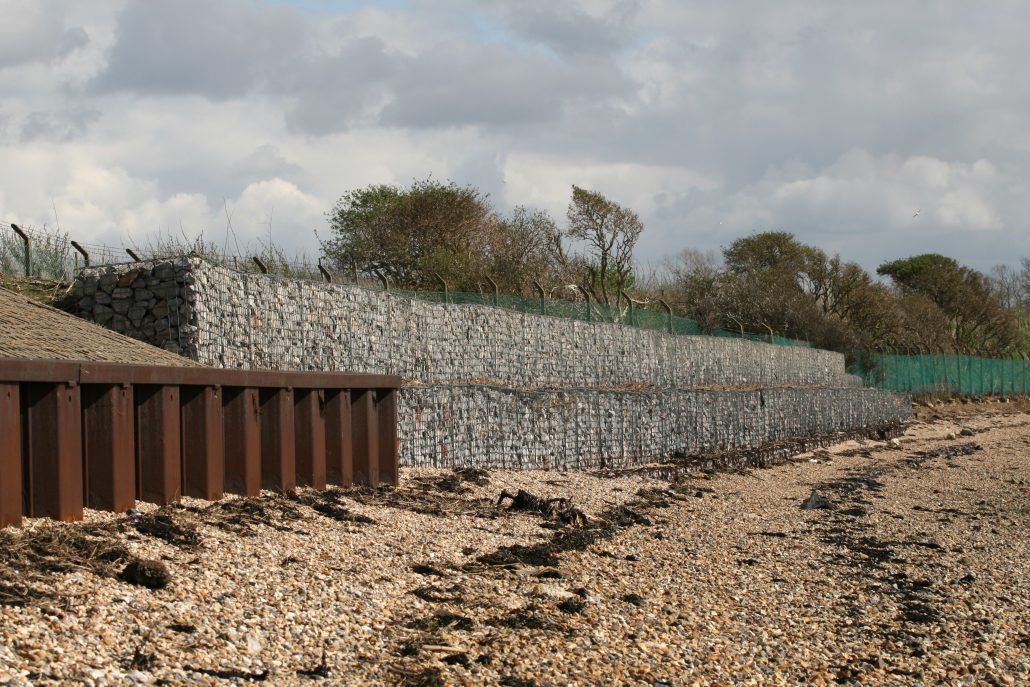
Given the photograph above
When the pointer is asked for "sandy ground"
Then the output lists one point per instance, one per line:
(918, 572)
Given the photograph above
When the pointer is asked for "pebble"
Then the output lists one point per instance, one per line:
(743, 588)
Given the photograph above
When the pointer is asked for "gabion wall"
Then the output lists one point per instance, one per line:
(482, 426)
(147, 301)
(238, 320)
(492, 387)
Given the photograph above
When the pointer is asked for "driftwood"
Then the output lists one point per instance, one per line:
(556, 510)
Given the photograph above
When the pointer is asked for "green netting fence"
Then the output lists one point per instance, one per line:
(944, 374)
(593, 312)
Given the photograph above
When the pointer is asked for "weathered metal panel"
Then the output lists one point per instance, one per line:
(108, 447)
(10, 455)
(365, 432)
(203, 443)
(242, 441)
(18, 370)
(386, 423)
(53, 448)
(153, 433)
(88, 372)
(112, 373)
(339, 467)
(158, 444)
(278, 449)
(309, 416)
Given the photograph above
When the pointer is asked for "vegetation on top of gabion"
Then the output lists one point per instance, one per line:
(435, 237)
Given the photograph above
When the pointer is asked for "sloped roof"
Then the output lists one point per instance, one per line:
(31, 330)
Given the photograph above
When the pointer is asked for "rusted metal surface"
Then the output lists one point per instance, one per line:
(203, 443)
(278, 451)
(158, 444)
(365, 433)
(105, 435)
(242, 441)
(339, 467)
(53, 450)
(309, 417)
(386, 423)
(10, 455)
(109, 447)
(113, 373)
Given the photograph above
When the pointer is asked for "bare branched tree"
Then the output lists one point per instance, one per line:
(609, 233)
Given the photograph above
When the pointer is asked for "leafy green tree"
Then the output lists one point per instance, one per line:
(978, 323)
(696, 287)
(411, 235)
(520, 250)
(1012, 289)
(771, 284)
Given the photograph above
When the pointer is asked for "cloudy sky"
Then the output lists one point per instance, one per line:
(836, 121)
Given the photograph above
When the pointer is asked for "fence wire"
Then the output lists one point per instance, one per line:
(56, 256)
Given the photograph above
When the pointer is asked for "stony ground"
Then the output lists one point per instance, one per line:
(911, 567)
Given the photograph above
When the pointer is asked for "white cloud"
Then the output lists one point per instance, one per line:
(833, 121)
(546, 182)
(862, 193)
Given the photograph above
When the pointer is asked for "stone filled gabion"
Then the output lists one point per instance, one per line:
(493, 387)
(150, 301)
(483, 426)
(239, 320)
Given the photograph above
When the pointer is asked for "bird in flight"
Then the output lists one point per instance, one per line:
(916, 213)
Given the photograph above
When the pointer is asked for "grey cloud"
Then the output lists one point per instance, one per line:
(765, 89)
(331, 92)
(753, 94)
(35, 31)
(234, 48)
(266, 162)
(72, 39)
(62, 125)
(565, 28)
(217, 49)
(495, 85)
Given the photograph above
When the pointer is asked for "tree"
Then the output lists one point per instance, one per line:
(520, 250)
(696, 285)
(1012, 289)
(977, 322)
(433, 228)
(609, 233)
(770, 284)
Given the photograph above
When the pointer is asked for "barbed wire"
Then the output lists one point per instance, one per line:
(56, 256)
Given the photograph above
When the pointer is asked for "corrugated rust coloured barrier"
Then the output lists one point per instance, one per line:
(102, 435)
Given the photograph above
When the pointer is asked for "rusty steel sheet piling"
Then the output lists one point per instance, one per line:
(108, 447)
(242, 441)
(339, 465)
(105, 435)
(10, 455)
(158, 443)
(309, 415)
(203, 443)
(278, 451)
(365, 433)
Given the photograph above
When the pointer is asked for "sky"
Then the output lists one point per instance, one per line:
(876, 130)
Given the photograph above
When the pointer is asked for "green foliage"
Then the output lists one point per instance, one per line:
(772, 282)
(52, 255)
(413, 234)
(976, 321)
